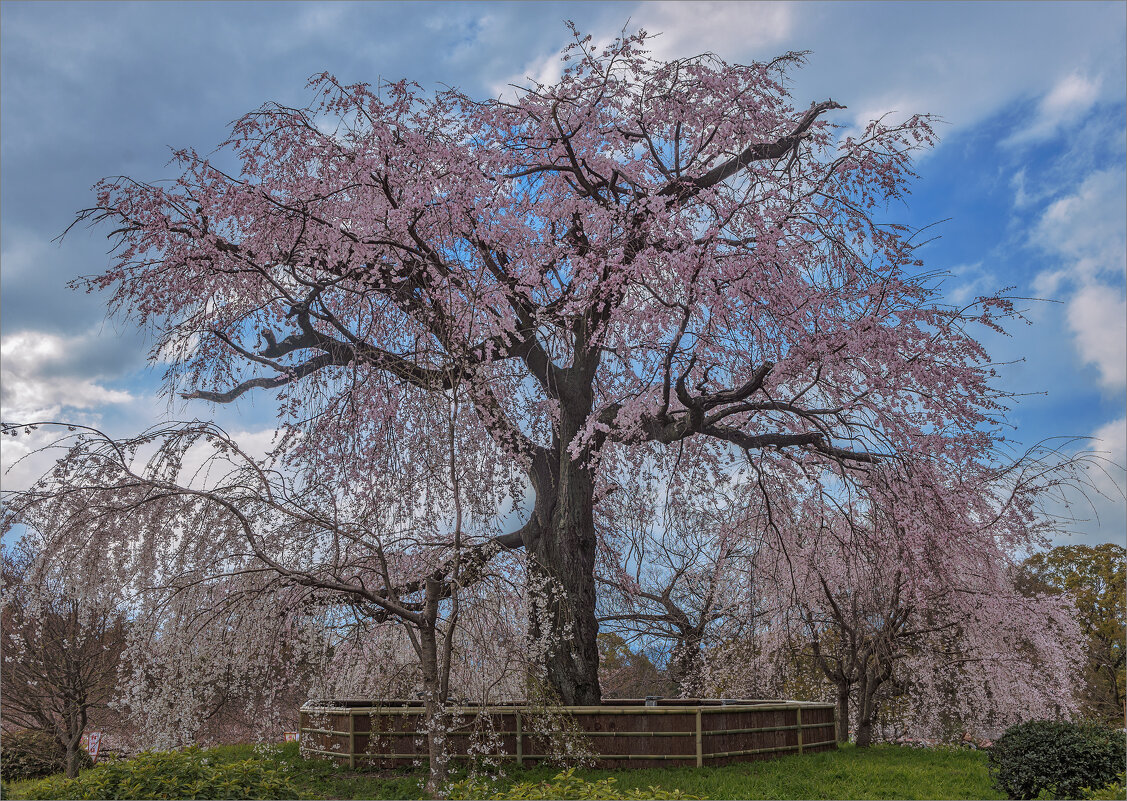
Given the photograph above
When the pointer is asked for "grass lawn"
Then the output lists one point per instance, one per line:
(878, 772)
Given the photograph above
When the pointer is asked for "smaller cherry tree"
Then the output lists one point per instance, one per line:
(247, 567)
(893, 598)
(62, 645)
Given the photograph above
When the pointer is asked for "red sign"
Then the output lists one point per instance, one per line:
(291, 736)
(90, 743)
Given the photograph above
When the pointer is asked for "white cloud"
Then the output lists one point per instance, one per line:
(200, 472)
(1072, 94)
(1112, 438)
(41, 377)
(680, 30)
(29, 455)
(973, 281)
(23, 460)
(541, 70)
(1093, 510)
(1097, 315)
(1104, 509)
(909, 58)
(1087, 232)
(1062, 107)
(1087, 227)
(727, 29)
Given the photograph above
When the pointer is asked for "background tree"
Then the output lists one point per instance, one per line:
(62, 648)
(1093, 577)
(676, 565)
(626, 672)
(974, 656)
(884, 610)
(640, 253)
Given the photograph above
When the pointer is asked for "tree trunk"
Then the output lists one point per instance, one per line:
(687, 667)
(864, 729)
(438, 747)
(563, 617)
(843, 713)
(867, 709)
(438, 753)
(562, 572)
(74, 723)
(72, 761)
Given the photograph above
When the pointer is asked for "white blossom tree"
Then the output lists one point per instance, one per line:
(61, 645)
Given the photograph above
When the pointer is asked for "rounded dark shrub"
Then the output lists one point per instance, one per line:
(31, 754)
(1057, 758)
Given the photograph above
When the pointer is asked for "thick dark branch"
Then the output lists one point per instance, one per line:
(762, 151)
(756, 441)
(255, 383)
(668, 428)
(334, 353)
(753, 384)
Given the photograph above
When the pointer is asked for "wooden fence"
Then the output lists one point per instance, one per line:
(620, 733)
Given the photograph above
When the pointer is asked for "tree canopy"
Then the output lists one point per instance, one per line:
(469, 308)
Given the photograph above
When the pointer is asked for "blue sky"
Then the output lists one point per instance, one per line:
(1030, 173)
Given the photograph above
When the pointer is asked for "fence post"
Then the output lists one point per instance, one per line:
(351, 740)
(799, 713)
(520, 742)
(700, 751)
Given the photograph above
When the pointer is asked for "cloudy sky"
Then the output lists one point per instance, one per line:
(1027, 185)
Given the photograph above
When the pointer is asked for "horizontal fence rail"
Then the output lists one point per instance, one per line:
(388, 733)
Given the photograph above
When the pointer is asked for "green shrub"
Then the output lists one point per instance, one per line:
(190, 773)
(32, 754)
(564, 785)
(1058, 759)
(1113, 792)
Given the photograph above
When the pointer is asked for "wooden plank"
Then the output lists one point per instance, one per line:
(763, 708)
(798, 715)
(765, 728)
(502, 732)
(336, 754)
(748, 752)
(621, 756)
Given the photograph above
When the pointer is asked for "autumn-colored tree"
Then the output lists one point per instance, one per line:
(626, 672)
(1093, 577)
